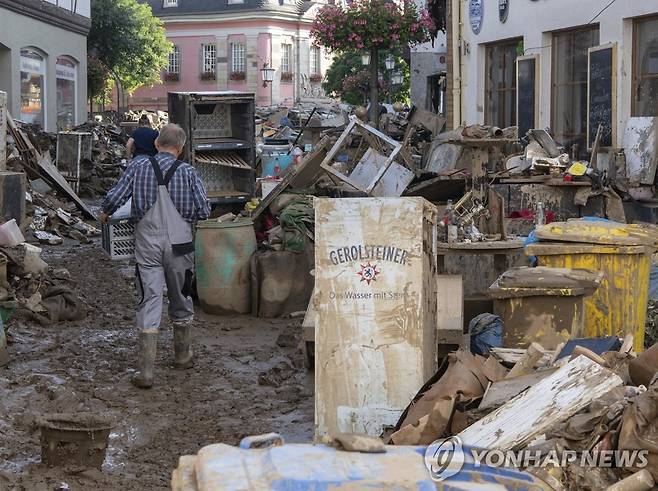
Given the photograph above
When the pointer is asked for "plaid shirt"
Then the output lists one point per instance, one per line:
(139, 182)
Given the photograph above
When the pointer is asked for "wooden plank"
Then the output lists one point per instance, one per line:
(300, 177)
(542, 406)
(513, 355)
(505, 390)
(450, 303)
(528, 360)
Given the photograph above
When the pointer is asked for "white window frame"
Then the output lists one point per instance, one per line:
(315, 63)
(169, 3)
(74, 79)
(238, 57)
(44, 73)
(286, 58)
(173, 65)
(208, 58)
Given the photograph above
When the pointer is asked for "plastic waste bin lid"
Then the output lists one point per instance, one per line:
(545, 281)
(599, 232)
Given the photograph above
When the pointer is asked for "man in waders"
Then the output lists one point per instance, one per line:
(167, 198)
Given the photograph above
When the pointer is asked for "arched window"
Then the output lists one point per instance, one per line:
(33, 72)
(66, 74)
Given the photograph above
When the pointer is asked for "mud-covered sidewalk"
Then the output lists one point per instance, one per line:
(248, 379)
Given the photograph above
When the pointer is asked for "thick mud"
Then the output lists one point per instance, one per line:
(243, 383)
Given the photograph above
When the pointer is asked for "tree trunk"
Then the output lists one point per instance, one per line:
(374, 87)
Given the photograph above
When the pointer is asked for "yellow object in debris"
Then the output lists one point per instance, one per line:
(619, 305)
(252, 204)
(599, 232)
(577, 169)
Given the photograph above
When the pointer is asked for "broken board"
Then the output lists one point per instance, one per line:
(504, 390)
(641, 149)
(303, 176)
(392, 184)
(542, 406)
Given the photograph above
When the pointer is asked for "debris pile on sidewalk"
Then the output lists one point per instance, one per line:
(157, 118)
(575, 398)
(29, 286)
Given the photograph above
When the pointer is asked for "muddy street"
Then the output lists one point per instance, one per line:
(243, 383)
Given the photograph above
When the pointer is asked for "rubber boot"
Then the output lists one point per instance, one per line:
(148, 342)
(182, 350)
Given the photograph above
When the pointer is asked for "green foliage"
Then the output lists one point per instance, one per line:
(126, 42)
(350, 81)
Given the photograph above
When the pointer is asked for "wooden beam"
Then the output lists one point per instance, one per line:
(542, 406)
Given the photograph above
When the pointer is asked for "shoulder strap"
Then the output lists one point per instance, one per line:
(157, 171)
(164, 181)
(170, 173)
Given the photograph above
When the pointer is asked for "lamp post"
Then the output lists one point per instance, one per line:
(390, 65)
(396, 80)
(268, 77)
(389, 62)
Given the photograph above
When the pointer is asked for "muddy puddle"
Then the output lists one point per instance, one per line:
(85, 366)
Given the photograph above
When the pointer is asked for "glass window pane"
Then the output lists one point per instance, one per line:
(570, 85)
(32, 87)
(645, 55)
(65, 70)
(500, 84)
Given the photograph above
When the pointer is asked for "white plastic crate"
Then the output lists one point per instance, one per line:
(118, 239)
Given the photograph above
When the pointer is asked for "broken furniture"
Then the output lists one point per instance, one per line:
(223, 252)
(452, 333)
(39, 165)
(375, 294)
(73, 147)
(220, 130)
(543, 305)
(619, 305)
(476, 279)
(376, 173)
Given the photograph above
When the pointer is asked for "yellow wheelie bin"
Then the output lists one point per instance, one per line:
(619, 306)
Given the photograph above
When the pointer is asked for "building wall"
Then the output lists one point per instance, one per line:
(19, 31)
(427, 59)
(262, 40)
(535, 21)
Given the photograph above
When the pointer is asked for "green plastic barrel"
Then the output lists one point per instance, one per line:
(223, 252)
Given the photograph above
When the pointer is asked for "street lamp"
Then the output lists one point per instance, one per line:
(390, 62)
(365, 59)
(397, 78)
(267, 73)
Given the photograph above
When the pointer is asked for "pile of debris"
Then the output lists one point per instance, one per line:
(30, 287)
(589, 395)
(157, 118)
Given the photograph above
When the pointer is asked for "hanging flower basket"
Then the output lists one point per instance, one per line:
(316, 78)
(208, 76)
(171, 77)
(237, 75)
(287, 76)
(371, 24)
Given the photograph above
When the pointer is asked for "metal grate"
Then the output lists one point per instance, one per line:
(118, 239)
(215, 124)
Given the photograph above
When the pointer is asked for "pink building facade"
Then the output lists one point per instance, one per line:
(223, 44)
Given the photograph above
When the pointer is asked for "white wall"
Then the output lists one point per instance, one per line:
(534, 21)
(19, 31)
